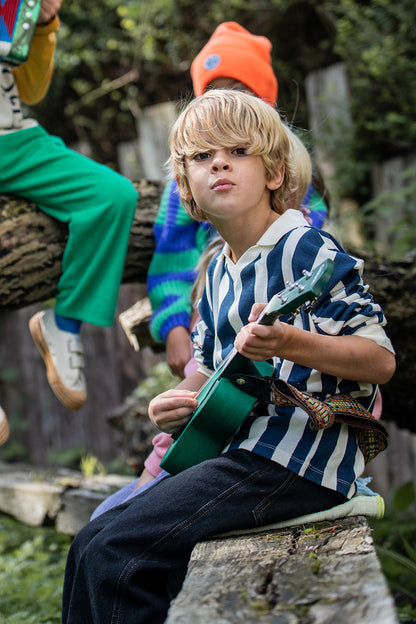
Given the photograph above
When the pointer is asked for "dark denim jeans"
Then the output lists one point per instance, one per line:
(120, 565)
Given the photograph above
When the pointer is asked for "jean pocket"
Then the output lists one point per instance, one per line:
(281, 503)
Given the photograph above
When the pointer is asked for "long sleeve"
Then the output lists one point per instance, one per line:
(34, 75)
(180, 242)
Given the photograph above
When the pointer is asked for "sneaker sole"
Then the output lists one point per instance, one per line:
(74, 399)
(4, 428)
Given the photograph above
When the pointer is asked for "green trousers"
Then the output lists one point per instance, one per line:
(98, 205)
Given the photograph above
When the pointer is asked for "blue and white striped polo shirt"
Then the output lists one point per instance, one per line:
(328, 457)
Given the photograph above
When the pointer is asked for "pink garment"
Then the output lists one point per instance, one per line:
(161, 443)
(191, 367)
(378, 405)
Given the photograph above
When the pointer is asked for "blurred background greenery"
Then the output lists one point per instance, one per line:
(113, 59)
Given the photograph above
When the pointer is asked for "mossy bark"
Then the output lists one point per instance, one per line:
(32, 245)
(313, 574)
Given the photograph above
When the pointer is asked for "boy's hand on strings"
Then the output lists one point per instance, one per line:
(171, 410)
(260, 342)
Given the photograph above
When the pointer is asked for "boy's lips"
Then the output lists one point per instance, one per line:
(222, 184)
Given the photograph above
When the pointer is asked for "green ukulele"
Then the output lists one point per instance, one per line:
(223, 407)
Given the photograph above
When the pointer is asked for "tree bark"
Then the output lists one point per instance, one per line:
(32, 246)
(323, 572)
(392, 283)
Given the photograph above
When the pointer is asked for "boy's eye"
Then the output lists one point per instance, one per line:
(201, 156)
(240, 151)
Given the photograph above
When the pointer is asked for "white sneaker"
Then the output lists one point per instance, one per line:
(4, 426)
(63, 355)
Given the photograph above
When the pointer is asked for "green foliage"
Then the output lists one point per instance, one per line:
(114, 59)
(376, 40)
(32, 562)
(159, 379)
(69, 457)
(395, 539)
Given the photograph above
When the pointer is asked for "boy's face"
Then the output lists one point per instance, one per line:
(229, 184)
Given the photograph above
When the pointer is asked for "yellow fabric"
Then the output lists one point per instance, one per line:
(34, 75)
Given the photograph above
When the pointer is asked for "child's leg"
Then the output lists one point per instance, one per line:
(126, 493)
(98, 205)
(63, 354)
(119, 565)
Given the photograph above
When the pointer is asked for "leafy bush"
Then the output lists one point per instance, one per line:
(395, 539)
(32, 563)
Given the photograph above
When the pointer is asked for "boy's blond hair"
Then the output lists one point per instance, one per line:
(227, 118)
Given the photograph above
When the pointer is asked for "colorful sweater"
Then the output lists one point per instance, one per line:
(180, 242)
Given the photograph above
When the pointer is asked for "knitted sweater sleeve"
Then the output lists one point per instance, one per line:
(180, 242)
(34, 75)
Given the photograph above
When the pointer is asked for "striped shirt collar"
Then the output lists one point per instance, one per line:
(286, 222)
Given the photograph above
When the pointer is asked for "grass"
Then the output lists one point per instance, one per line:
(32, 564)
(395, 540)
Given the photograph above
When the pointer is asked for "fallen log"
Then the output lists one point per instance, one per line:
(32, 245)
(325, 572)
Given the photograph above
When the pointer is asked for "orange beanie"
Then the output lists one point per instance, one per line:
(233, 52)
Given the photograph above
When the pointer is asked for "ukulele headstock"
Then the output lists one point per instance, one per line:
(298, 293)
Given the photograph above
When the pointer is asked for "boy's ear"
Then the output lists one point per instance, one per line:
(277, 180)
(184, 190)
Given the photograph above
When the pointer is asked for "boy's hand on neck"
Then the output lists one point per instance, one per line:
(261, 342)
(348, 356)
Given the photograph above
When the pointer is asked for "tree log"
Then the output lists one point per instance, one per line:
(392, 283)
(328, 572)
(32, 245)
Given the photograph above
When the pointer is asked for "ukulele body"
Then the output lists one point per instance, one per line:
(222, 410)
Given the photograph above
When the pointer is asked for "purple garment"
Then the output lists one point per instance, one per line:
(125, 494)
